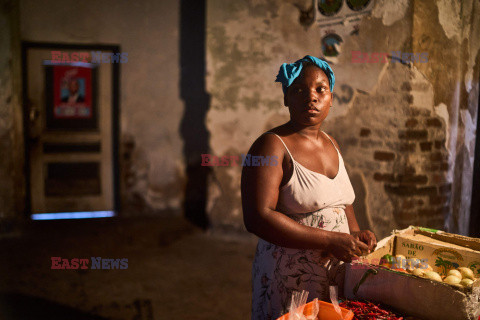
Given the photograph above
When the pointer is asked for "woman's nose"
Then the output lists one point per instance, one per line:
(312, 95)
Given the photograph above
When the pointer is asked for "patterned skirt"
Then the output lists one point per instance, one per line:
(277, 271)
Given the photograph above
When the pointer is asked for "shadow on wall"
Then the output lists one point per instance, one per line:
(359, 204)
(192, 127)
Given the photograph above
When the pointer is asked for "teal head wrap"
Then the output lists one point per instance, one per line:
(290, 71)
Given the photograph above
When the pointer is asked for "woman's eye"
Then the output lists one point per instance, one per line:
(321, 89)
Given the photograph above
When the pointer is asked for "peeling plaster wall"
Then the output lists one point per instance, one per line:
(397, 144)
(406, 131)
(449, 32)
(152, 162)
(11, 146)
(246, 43)
(402, 128)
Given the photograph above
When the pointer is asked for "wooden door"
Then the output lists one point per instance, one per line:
(69, 134)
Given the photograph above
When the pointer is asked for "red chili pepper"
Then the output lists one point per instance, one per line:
(368, 310)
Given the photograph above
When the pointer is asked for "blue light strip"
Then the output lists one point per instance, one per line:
(72, 215)
(75, 64)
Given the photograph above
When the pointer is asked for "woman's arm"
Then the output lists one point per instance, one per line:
(260, 190)
(352, 220)
(366, 236)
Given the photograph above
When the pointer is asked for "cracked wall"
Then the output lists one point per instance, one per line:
(406, 130)
(427, 111)
(449, 31)
(151, 157)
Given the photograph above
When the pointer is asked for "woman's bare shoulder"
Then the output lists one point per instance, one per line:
(270, 141)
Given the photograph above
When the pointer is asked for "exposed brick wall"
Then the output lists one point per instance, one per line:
(418, 186)
(393, 137)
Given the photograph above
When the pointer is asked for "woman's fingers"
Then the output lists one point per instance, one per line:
(361, 247)
(349, 258)
(372, 240)
(368, 237)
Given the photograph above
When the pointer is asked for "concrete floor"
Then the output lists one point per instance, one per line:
(175, 271)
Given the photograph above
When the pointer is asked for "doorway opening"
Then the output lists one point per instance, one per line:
(71, 130)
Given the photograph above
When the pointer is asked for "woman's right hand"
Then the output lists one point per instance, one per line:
(345, 247)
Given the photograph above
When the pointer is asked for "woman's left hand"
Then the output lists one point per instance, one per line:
(367, 237)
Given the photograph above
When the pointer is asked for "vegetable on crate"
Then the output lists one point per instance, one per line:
(368, 310)
(452, 280)
(412, 264)
(454, 272)
(432, 275)
(466, 273)
(386, 259)
(460, 278)
(466, 282)
(419, 272)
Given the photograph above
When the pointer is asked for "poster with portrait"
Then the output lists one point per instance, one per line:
(71, 96)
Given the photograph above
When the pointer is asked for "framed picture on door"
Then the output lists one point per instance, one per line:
(71, 96)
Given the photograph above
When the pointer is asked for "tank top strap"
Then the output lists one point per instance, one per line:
(282, 142)
(331, 141)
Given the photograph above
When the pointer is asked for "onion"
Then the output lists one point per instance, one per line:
(452, 280)
(455, 273)
(432, 275)
(424, 266)
(419, 272)
(466, 282)
(467, 273)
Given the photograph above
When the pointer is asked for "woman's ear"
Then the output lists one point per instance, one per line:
(331, 100)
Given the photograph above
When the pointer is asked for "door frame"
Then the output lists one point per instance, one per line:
(25, 47)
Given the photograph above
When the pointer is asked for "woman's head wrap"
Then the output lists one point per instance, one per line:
(290, 71)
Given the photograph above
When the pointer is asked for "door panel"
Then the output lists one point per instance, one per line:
(70, 143)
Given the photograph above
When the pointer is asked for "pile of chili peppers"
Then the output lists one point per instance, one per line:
(368, 311)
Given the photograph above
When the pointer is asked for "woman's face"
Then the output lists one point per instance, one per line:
(309, 97)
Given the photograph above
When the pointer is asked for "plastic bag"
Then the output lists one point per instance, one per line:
(334, 299)
(297, 305)
(315, 310)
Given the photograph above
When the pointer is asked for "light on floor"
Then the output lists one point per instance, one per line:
(73, 215)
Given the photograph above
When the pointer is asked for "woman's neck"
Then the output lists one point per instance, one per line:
(310, 132)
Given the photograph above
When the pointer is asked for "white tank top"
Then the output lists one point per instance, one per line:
(309, 191)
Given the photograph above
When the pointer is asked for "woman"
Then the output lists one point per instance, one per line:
(300, 209)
